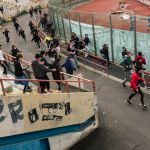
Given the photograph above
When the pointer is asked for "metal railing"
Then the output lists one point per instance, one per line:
(65, 82)
(10, 59)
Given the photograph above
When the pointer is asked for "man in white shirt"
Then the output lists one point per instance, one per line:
(3, 62)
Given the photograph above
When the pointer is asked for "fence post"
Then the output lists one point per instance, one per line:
(58, 24)
(135, 37)
(111, 38)
(63, 26)
(95, 48)
(2, 86)
(80, 25)
(69, 22)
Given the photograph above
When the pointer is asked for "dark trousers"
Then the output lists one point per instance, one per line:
(38, 44)
(7, 39)
(5, 67)
(139, 92)
(44, 85)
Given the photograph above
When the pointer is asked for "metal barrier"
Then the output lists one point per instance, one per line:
(65, 82)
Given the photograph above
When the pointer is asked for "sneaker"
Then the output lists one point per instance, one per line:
(124, 85)
(128, 101)
(143, 106)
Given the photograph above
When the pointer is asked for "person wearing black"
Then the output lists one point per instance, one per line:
(52, 53)
(36, 38)
(36, 11)
(6, 34)
(21, 32)
(14, 19)
(40, 12)
(104, 51)
(31, 12)
(56, 74)
(86, 40)
(14, 51)
(2, 9)
(40, 72)
(43, 59)
(17, 26)
(19, 74)
(34, 30)
(31, 25)
(124, 52)
(81, 44)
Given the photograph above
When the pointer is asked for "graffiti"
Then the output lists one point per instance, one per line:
(50, 111)
(52, 105)
(67, 108)
(15, 109)
(1, 110)
(33, 116)
(52, 117)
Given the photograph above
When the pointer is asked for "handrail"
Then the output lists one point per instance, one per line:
(51, 81)
(63, 73)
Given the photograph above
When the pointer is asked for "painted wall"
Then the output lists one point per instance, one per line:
(28, 113)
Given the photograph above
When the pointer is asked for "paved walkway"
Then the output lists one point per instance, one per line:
(122, 127)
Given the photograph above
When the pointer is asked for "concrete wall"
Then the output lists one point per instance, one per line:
(28, 113)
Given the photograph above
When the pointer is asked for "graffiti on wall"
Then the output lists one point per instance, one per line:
(51, 111)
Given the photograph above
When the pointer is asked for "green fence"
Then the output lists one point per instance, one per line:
(102, 29)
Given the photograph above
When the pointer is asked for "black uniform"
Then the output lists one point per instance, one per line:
(6, 33)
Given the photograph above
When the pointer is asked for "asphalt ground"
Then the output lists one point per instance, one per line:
(122, 126)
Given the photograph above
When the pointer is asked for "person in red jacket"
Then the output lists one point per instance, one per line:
(140, 56)
(135, 85)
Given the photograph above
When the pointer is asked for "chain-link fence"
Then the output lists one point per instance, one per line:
(116, 30)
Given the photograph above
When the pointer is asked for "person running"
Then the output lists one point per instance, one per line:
(19, 74)
(86, 41)
(14, 51)
(31, 25)
(6, 34)
(31, 12)
(14, 19)
(136, 80)
(140, 60)
(127, 67)
(104, 51)
(40, 12)
(36, 38)
(3, 62)
(17, 26)
(70, 65)
(22, 33)
(48, 40)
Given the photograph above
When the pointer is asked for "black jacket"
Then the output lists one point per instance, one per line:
(18, 69)
(39, 70)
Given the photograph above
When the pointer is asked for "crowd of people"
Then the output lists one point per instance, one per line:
(49, 61)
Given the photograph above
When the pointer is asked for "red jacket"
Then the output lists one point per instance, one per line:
(134, 81)
(143, 59)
